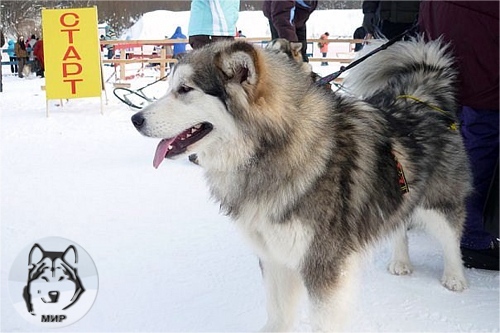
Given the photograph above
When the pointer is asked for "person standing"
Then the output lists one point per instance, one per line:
(359, 33)
(2, 41)
(179, 48)
(212, 20)
(21, 55)
(31, 56)
(458, 23)
(110, 35)
(38, 52)
(287, 19)
(12, 56)
(324, 47)
(387, 19)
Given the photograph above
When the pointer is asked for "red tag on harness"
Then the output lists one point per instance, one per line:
(403, 184)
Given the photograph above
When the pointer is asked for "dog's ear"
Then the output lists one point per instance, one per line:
(238, 63)
(296, 47)
(70, 256)
(36, 254)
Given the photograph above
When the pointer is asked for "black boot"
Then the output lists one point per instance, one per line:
(481, 259)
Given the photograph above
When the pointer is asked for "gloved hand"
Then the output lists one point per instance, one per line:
(369, 22)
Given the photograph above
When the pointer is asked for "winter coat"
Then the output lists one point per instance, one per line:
(38, 52)
(393, 11)
(20, 49)
(287, 16)
(324, 46)
(472, 29)
(31, 45)
(213, 17)
(2, 41)
(179, 47)
(110, 35)
(11, 48)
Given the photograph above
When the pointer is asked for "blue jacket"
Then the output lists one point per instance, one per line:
(179, 47)
(213, 17)
(10, 49)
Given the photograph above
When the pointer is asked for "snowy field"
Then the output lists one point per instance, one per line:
(167, 260)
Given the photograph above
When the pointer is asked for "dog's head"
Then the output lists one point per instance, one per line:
(210, 95)
(53, 282)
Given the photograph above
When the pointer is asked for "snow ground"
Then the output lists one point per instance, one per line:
(167, 260)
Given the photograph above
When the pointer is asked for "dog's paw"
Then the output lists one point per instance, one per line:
(400, 268)
(454, 282)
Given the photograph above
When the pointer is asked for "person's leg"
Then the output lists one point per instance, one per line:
(480, 133)
(219, 38)
(198, 41)
(12, 65)
(301, 35)
(324, 63)
(21, 61)
(274, 32)
(491, 209)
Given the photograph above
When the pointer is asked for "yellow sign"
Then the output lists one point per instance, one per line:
(71, 52)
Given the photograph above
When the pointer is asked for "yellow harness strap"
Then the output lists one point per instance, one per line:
(453, 125)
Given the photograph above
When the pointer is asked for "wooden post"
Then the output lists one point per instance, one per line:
(163, 56)
(123, 56)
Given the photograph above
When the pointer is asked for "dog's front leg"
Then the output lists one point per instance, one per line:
(283, 290)
(332, 288)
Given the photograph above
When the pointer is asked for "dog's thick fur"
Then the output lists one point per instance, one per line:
(310, 176)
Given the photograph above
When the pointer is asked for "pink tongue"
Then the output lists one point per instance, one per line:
(161, 151)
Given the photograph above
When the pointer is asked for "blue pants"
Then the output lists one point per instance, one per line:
(480, 133)
(323, 63)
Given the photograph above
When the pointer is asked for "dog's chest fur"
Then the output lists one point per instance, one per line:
(284, 242)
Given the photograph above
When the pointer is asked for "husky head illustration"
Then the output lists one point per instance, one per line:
(53, 281)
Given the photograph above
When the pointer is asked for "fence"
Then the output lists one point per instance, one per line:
(134, 52)
(128, 53)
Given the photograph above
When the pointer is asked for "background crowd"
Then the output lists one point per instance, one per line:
(26, 56)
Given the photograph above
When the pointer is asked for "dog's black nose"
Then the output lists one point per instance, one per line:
(138, 120)
(54, 295)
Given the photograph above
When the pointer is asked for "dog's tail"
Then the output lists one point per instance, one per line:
(414, 69)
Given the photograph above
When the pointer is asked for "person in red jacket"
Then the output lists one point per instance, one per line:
(471, 27)
(287, 19)
(324, 47)
(38, 52)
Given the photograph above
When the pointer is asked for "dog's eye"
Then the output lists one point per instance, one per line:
(184, 89)
(61, 278)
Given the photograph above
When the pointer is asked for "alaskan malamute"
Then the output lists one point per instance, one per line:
(314, 178)
(50, 289)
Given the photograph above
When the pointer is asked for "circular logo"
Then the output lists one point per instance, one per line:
(53, 282)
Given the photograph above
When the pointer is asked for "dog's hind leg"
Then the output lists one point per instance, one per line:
(332, 290)
(438, 225)
(400, 261)
(283, 290)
